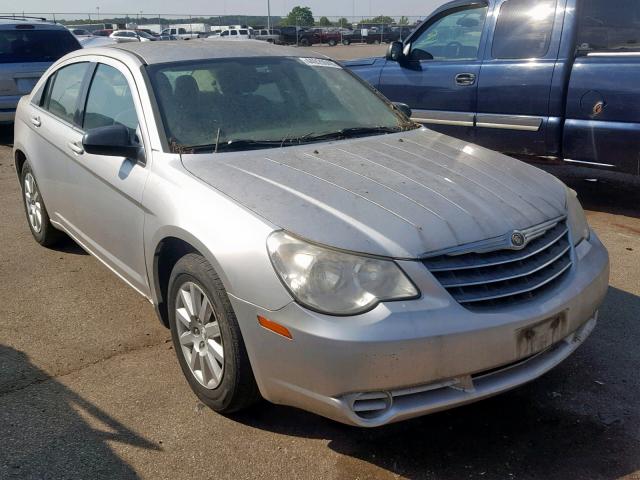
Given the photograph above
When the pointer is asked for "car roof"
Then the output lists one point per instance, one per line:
(10, 23)
(200, 49)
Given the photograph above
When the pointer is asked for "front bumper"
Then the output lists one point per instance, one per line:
(406, 359)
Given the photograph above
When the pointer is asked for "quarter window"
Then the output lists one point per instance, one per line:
(63, 92)
(608, 26)
(524, 29)
(109, 101)
(455, 36)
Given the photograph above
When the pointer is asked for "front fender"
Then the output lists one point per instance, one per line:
(369, 69)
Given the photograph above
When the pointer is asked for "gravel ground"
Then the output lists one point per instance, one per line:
(90, 387)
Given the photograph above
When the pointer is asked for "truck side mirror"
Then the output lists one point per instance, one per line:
(394, 52)
(404, 108)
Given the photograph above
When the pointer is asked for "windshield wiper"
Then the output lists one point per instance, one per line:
(249, 144)
(237, 144)
(348, 133)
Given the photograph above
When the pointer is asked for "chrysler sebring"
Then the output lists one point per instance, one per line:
(302, 238)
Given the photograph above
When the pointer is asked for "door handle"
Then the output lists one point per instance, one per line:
(75, 148)
(36, 121)
(465, 79)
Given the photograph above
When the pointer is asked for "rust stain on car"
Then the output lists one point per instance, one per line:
(539, 336)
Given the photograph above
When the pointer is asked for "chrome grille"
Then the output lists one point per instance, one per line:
(498, 277)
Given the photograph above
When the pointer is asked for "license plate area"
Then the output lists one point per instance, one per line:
(535, 338)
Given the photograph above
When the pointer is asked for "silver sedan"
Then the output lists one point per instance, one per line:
(305, 241)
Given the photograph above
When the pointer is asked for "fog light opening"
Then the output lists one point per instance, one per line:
(372, 404)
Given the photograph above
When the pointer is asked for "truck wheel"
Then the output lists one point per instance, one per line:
(332, 43)
(346, 41)
(376, 42)
(37, 216)
(304, 42)
(207, 338)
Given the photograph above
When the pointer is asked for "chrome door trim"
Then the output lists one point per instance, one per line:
(613, 54)
(584, 162)
(441, 117)
(508, 122)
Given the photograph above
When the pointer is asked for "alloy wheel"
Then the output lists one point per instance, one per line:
(199, 334)
(33, 201)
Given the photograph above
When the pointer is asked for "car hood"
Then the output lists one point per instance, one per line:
(400, 195)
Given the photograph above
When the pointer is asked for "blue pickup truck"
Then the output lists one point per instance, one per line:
(551, 79)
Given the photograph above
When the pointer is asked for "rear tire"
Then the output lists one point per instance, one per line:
(202, 336)
(346, 41)
(305, 42)
(332, 43)
(36, 211)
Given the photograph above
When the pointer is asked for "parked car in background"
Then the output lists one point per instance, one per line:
(234, 34)
(369, 35)
(552, 79)
(28, 46)
(126, 36)
(96, 41)
(298, 36)
(80, 32)
(179, 33)
(323, 252)
(270, 36)
(103, 33)
(328, 36)
(400, 33)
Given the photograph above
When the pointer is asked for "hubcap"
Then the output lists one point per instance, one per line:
(199, 334)
(33, 202)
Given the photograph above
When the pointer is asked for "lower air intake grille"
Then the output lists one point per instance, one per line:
(505, 276)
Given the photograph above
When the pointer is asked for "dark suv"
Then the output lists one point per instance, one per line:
(28, 46)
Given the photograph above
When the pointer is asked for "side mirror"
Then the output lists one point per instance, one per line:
(394, 52)
(112, 141)
(404, 108)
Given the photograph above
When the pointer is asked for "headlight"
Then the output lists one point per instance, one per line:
(577, 220)
(335, 282)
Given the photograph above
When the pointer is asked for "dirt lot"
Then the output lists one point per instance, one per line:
(90, 387)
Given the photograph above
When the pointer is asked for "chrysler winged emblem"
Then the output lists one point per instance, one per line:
(518, 239)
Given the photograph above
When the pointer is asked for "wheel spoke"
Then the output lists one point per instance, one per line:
(183, 315)
(213, 366)
(187, 338)
(205, 310)
(216, 350)
(194, 359)
(194, 293)
(212, 329)
(186, 301)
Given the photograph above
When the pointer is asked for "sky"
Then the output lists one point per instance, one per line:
(337, 8)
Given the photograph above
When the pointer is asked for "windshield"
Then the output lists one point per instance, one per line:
(35, 45)
(145, 35)
(275, 99)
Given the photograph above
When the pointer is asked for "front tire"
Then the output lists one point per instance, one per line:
(207, 338)
(37, 216)
(346, 41)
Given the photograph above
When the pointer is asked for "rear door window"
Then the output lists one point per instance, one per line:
(35, 45)
(606, 25)
(62, 97)
(524, 29)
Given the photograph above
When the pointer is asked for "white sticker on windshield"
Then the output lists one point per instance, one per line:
(318, 62)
